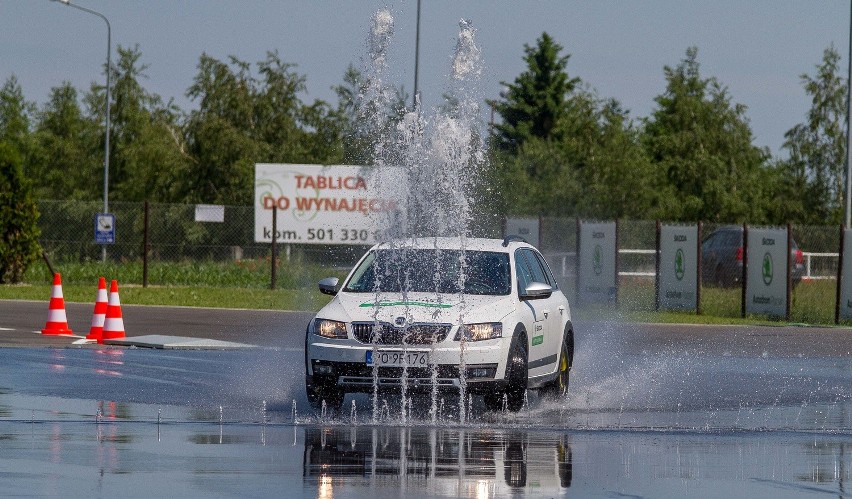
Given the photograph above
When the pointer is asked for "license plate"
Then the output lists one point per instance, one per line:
(397, 358)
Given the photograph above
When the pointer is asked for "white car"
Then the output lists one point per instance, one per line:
(424, 311)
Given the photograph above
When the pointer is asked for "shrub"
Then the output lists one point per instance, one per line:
(19, 230)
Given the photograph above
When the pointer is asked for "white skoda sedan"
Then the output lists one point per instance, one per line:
(442, 312)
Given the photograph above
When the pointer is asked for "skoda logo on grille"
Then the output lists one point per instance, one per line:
(399, 322)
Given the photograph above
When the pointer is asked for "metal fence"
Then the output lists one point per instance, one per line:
(813, 297)
(181, 250)
(225, 253)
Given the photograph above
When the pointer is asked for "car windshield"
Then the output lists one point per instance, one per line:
(432, 271)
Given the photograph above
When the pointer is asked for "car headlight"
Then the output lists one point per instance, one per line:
(478, 332)
(329, 329)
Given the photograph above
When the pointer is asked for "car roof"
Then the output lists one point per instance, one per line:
(455, 243)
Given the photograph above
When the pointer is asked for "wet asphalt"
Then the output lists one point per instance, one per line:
(652, 411)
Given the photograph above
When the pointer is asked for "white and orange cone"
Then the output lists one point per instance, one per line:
(113, 323)
(99, 315)
(57, 321)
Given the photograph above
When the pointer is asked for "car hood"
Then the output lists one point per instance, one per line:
(417, 307)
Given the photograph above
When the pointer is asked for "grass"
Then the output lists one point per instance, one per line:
(812, 302)
(245, 284)
(187, 296)
(234, 284)
(253, 273)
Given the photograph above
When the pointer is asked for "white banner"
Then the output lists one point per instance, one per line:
(766, 284)
(209, 213)
(678, 267)
(524, 227)
(597, 276)
(321, 204)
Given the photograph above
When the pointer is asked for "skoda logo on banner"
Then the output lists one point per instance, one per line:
(399, 322)
(679, 264)
(597, 265)
(767, 269)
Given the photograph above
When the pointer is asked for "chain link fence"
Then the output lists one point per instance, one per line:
(184, 251)
(181, 250)
(815, 255)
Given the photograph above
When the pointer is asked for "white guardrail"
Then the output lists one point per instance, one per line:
(568, 270)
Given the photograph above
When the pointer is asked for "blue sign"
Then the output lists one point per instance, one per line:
(104, 228)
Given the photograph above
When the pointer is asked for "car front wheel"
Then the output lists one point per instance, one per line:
(516, 374)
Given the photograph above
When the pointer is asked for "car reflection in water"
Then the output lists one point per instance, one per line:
(464, 462)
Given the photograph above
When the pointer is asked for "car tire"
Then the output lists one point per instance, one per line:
(557, 388)
(332, 396)
(517, 373)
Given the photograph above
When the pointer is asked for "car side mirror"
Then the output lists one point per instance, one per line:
(537, 290)
(328, 286)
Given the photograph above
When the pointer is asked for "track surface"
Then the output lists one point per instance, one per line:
(19, 320)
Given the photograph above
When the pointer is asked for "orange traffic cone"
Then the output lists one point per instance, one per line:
(98, 317)
(113, 323)
(57, 321)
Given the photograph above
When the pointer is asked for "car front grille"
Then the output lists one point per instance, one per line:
(388, 334)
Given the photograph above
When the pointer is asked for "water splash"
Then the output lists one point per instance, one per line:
(467, 63)
(381, 33)
(429, 163)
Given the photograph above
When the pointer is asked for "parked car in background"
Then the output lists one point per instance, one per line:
(722, 258)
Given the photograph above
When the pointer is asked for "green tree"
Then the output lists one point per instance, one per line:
(291, 130)
(243, 119)
(16, 118)
(616, 177)
(219, 134)
(18, 217)
(701, 145)
(811, 180)
(146, 143)
(69, 161)
(534, 104)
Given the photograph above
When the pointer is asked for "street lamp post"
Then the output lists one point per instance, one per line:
(848, 212)
(106, 132)
(416, 57)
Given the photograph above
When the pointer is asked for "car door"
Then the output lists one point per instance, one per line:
(709, 257)
(555, 315)
(542, 354)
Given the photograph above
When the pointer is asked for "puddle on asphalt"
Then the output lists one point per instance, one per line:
(84, 422)
(237, 459)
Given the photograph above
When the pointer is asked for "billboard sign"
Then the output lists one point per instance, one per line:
(322, 204)
(678, 267)
(525, 227)
(766, 272)
(597, 263)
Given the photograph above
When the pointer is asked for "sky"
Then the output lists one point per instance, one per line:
(758, 49)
